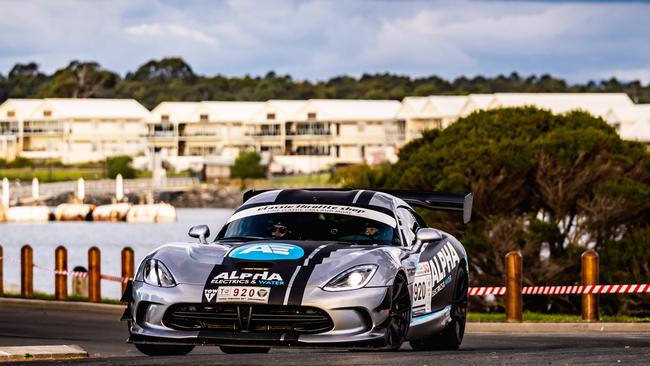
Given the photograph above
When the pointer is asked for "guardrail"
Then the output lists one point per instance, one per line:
(513, 291)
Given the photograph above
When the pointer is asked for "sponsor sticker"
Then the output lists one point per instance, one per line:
(317, 208)
(264, 278)
(252, 294)
(268, 251)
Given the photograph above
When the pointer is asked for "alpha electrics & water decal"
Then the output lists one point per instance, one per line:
(264, 278)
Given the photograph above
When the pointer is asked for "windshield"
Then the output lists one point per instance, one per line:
(310, 226)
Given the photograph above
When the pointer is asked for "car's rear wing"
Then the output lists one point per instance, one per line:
(436, 201)
(430, 200)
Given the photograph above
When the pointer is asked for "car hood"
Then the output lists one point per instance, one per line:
(274, 264)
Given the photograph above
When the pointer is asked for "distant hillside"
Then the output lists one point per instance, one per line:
(172, 79)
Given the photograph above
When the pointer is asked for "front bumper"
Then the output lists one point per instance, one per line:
(357, 317)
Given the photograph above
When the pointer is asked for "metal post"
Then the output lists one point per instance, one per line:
(513, 287)
(94, 275)
(26, 272)
(1, 273)
(127, 265)
(60, 273)
(590, 277)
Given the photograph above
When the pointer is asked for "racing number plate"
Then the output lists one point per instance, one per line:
(259, 295)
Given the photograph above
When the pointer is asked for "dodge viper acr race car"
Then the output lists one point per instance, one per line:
(322, 267)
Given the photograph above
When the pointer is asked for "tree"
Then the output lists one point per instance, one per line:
(247, 166)
(547, 185)
(120, 164)
(79, 80)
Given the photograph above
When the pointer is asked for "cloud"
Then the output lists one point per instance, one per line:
(170, 30)
(317, 39)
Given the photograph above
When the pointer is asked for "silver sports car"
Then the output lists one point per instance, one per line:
(324, 267)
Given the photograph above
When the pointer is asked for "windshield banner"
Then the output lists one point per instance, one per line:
(315, 208)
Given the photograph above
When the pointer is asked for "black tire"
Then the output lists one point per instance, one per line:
(163, 350)
(235, 350)
(452, 336)
(399, 316)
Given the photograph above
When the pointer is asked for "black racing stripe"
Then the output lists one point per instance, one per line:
(365, 197)
(300, 282)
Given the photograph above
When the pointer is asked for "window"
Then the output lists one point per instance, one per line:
(203, 118)
(11, 114)
(311, 116)
(164, 118)
(409, 224)
(270, 116)
(361, 127)
(47, 113)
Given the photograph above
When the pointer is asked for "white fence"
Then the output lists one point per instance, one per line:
(24, 190)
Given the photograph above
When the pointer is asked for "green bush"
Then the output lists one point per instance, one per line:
(120, 165)
(247, 166)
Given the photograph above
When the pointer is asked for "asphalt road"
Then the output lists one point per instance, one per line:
(103, 337)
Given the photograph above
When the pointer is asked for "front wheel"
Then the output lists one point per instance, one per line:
(452, 336)
(399, 316)
(235, 350)
(163, 350)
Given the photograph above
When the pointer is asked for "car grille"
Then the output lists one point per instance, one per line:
(248, 318)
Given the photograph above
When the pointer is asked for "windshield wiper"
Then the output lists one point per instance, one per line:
(244, 237)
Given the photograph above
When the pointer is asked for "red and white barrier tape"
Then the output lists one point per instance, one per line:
(565, 290)
(75, 273)
(473, 291)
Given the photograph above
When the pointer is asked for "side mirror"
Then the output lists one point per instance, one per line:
(427, 235)
(201, 232)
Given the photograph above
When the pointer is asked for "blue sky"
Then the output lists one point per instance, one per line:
(317, 39)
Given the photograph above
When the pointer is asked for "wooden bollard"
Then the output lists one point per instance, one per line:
(2, 280)
(513, 287)
(590, 274)
(94, 275)
(128, 262)
(60, 273)
(26, 272)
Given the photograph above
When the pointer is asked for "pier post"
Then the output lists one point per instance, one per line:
(60, 273)
(1, 273)
(26, 272)
(128, 264)
(589, 277)
(513, 287)
(94, 275)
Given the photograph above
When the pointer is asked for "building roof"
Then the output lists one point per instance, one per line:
(597, 104)
(438, 106)
(89, 108)
(224, 111)
(349, 110)
(481, 101)
(283, 110)
(631, 113)
(21, 108)
(177, 111)
(411, 107)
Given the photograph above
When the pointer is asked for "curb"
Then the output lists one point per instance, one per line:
(26, 353)
(45, 305)
(476, 327)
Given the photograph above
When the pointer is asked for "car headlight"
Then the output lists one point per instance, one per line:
(352, 279)
(155, 273)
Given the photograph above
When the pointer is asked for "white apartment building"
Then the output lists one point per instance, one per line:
(75, 130)
(299, 135)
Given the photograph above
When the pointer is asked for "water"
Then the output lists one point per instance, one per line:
(109, 237)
